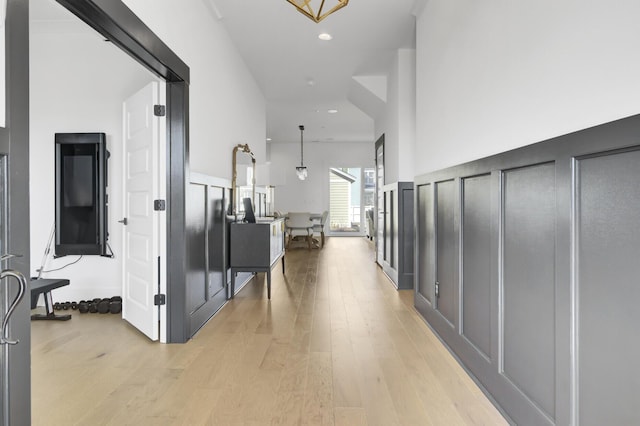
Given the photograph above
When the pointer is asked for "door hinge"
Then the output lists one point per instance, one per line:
(159, 299)
(437, 289)
(159, 205)
(159, 110)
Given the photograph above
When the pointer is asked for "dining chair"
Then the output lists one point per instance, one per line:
(319, 227)
(299, 224)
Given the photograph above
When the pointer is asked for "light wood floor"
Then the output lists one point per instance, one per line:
(337, 344)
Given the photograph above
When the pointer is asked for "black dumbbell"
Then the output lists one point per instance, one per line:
(57, 306)
(103, 306)
(74, 305)
(66, 306)
(115, 306)
(93, 307)
(83, 306)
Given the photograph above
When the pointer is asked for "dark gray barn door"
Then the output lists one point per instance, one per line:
(14, 216)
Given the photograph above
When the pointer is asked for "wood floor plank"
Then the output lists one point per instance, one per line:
(349, 416)
(318, 393)
(337, 344)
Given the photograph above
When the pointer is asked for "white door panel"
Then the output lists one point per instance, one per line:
(143, 154)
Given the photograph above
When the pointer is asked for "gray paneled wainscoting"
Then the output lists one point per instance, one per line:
(207, 233)
(398, 234)
(528, 266)
(206, 283)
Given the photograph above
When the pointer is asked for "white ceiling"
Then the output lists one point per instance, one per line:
(301, 76)
(282, 49)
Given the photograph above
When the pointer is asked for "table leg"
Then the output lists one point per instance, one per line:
(269, 283)
(233, 283)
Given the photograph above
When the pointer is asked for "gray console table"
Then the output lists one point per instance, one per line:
(256, 247)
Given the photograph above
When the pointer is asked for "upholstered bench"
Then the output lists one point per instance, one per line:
(44, 286)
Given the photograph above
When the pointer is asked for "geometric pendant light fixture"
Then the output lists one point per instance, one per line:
(317, 10)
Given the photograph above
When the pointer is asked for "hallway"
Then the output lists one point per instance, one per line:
(337, 344)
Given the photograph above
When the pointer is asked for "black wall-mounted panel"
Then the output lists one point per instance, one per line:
(81, 204)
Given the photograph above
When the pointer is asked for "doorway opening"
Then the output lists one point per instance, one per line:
(118, 25)
(351, 195)
(89, 99)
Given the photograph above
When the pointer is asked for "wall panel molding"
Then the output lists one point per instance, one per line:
(545, 243)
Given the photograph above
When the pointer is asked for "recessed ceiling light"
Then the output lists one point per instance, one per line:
(325, 36)
(332, 111)
(268, 139)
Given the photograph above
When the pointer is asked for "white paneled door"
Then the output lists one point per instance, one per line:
(144, 218)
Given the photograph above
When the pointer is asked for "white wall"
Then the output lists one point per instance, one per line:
(226, 104)
(406, 93)
(312, 194)
(496, 75)
(398, 120)
(77, 84)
